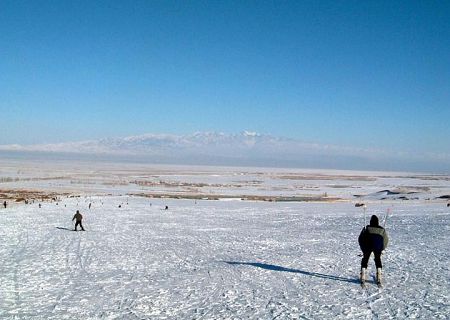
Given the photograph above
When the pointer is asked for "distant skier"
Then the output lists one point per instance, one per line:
(78, 217)
(90, 205)
(5, 204)
(373, 238)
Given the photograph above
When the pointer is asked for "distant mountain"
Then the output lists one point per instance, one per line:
(245, 148)
(200, 142)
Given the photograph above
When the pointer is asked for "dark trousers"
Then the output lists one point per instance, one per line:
(78, 223)
(366, 256)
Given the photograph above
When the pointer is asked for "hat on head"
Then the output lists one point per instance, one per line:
(374, 221)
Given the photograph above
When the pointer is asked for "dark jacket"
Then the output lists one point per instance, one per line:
(78, 217)
(373, 237)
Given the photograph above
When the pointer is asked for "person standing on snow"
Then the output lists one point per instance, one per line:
(373, 238)
(78, 217)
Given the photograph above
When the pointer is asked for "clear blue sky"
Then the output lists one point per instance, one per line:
(354, 73)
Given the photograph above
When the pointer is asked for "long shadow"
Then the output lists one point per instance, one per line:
(272, 267)
(62, 228)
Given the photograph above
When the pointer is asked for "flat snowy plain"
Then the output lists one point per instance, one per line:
(209, 259)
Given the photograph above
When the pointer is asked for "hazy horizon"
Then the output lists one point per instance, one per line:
(241, 151)
(357, 84)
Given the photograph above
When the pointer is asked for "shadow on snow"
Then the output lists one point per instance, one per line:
(62, 228)
(272, 267)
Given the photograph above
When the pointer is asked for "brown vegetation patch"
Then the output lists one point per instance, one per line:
(323, 177)
(174, 184)
(21, 195)
(199, 196)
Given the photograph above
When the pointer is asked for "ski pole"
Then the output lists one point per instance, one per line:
(385, 218)
(363, 205)
(364, 208)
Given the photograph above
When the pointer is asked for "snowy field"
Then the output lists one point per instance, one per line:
(222, 259)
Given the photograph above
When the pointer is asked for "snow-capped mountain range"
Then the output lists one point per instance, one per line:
(245, 148)
(157, 143)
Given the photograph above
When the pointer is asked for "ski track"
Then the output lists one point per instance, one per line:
(215, 260)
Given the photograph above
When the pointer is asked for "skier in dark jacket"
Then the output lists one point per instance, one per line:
(78, 217)
(373, 238)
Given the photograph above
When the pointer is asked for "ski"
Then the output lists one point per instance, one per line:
(377, 282)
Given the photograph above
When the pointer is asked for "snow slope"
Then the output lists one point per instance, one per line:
(219, 260)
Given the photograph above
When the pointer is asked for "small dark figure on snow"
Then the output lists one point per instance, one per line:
(5, 204)
(90, 205)
(166, 208)
(78, 217)
(448, 204)
(373, 238)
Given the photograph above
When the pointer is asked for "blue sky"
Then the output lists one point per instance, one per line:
(372, 74)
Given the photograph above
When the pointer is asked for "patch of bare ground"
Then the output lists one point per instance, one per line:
(17, 179)
(199, 196)
(159, 183)
(324, 177)
(422, 177)
(414, 188)
(338, 186)
(25, 196)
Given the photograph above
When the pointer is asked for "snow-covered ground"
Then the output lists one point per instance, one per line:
(221, 259)
(124, 178)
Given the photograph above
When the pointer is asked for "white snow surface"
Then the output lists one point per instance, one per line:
(220, 259)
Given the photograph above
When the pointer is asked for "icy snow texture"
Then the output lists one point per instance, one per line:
(218, 260)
